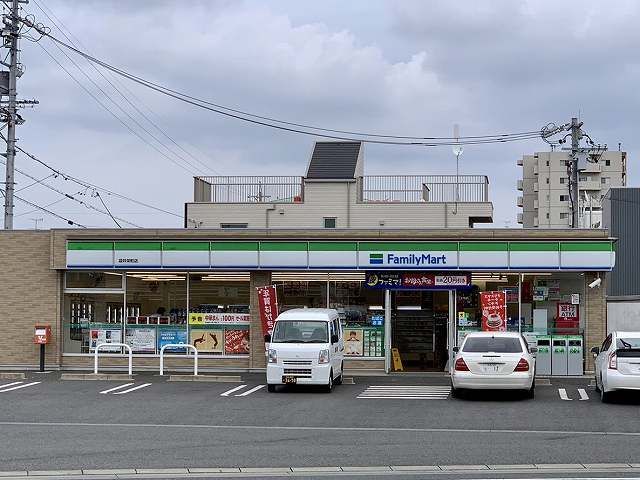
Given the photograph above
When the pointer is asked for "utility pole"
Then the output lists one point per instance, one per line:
(35, 221)
(576, 134)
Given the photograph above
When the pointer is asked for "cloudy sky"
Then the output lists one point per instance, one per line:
(406, 68)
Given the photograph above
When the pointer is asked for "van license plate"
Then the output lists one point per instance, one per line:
(289, 379)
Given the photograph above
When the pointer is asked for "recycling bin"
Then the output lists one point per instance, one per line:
(543, 357)
(575, 355)
(559, 355)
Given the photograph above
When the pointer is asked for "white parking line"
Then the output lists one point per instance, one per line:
(583, 394)
(234, 389)
(19, 387)
(144, 385)
(117, 388)
(10, 385)
(563, 394)
(407, 392)
(249, 392)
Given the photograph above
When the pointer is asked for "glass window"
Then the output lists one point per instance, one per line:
(292, 331)
(563, 179)
(564, 216)
(607, 163)
(330, 222)
(301, 294)
(234, 225)
(492, 344)
(628, 343)
(91, 280)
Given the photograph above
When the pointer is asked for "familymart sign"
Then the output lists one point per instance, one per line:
(355, 255)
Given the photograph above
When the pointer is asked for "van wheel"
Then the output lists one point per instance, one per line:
(329, 386)
(340, 377)
(271, 388)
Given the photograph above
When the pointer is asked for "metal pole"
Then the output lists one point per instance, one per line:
(520, 277)
(42, 345)
(575, 144)
(11, 124)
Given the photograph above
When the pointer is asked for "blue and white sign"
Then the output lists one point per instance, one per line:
(167, 336)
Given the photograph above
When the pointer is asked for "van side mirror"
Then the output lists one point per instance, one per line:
(595, 350)
(456, 349)
(334, 338)
(267, 338)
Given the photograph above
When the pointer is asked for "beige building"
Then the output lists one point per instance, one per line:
(335, 193)
(544, 188)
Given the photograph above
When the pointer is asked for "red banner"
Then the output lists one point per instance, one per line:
(268, 303)
(494, 314)
(567, 318)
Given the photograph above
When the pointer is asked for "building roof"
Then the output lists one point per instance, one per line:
(334, 161)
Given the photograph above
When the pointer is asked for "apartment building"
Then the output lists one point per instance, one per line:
(335, 193)
(545, 199)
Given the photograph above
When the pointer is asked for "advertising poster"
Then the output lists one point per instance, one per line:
(353, 345)
(554, 289)
(207, 341)
(494, 311)
(512, 294)
(141, 340)
(219, 318)
(416, 280)
(236, 342)
(268, 304)
(373, 343)
(105, 335)
(168, 336)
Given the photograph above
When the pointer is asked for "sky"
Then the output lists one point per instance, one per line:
(402, 68)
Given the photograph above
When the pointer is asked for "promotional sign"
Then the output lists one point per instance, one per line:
(373, 343)
(512, 294)
(207, 341)
(141, 340)
(575, 299)
(494, 311)
(268, 304)
(236, 342)
(568, 311)
(219, 318)
(168, 336)
(353, 345)
(105, 335)
(416, 280)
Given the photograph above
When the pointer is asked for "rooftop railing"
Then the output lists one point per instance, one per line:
(371, 189)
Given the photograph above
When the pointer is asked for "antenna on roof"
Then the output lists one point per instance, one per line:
(457, 151)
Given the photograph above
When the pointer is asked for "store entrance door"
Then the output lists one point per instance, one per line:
(419, 328)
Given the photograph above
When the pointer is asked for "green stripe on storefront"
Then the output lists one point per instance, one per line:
(90, 246)
(484, 246)
(283, 246)
(234, 246)
(138, 246)
(408, 246)
(586, 247)
(333, 246)
(185, 246)
(534, 247)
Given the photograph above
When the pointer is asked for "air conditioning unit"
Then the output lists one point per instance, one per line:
(536, 203)
(535, 169)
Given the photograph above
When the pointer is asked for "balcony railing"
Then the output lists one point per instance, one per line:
(423, 188)
(371, 189)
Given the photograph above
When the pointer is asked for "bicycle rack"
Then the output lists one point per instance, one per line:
(179, 345)
(99, 346)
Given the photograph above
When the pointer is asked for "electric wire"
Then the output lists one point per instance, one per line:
(107, 209)
(258, 120)
(60, 26)
(44, 209)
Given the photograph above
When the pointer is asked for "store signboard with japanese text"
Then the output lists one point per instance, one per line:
(268, 304)
(417, 280)
(219, 318)
(494, 311)
(409, 255)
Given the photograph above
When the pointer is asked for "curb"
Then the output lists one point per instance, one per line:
(12, 376)
(206, 378)
(93, 376)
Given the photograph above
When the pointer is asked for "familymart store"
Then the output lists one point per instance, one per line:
(408, 300)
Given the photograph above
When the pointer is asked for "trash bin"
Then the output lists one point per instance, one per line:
(543, 357)
(575, 355)
(559, 355)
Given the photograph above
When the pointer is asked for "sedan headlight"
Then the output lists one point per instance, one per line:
(324, 356)
(273, 356)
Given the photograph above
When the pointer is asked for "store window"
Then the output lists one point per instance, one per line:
(329, 222)
(156, 310)
(219, 320)
(93, 280)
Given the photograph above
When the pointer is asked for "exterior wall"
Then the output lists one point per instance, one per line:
(623, 315)
(596, 316)
(549, 181)
(258, 358)
(30, 294)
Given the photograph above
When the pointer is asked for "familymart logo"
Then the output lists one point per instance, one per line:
(411, 259)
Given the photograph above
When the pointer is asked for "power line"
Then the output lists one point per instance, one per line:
(107, 209)
(256, 119)
(44, 209)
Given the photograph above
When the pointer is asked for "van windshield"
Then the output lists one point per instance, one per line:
(294, 331)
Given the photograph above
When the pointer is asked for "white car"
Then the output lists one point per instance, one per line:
(493, 360)
(307, 348)
(617, 363)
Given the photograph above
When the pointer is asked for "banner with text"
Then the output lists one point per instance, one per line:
(268, 303)
(417, 280)
(219, 318)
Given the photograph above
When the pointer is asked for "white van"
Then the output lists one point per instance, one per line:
(306, 347)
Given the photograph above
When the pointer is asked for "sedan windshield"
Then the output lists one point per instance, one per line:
(292, 331)
(492, 344)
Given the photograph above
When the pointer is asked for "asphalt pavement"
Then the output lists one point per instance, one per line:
(148, 422)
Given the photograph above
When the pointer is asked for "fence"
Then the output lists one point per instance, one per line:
(241, 189)
(424, 188)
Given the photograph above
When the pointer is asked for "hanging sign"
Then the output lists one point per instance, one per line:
(417, 280)
(494, 311)
(219, 318)
(268, 304)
